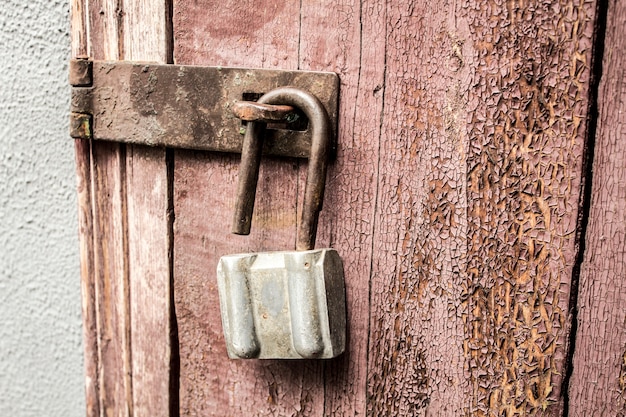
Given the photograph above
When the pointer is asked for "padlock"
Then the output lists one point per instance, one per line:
(289, 304)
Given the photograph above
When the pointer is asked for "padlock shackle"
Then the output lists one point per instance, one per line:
(316, 173)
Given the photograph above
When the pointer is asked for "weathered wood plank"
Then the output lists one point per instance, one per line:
(598, 383)
(349, 38)
(416, 361)
(527, 124)
(82, 149)
(147, 37)
(87, 277)
(484, 128)
(111, 263)
(147, 33)
(79, 34)
(521, 308)
(130, 230)
(149, 278)
(236, 34)
(103, 260)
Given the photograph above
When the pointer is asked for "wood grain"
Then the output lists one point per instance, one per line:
(111, 263)
(149, 280)
(527, 125)
(454, 200)
(147, 37)
(346, 38)
(82, 150)
(416, 359)
(79, 35)
(237, 34)
(598, 383)
(87, 277)
(129, 235)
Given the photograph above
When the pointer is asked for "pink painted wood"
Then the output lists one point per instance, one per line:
(125, 230)
(265, 35)
(454, 201)
(598, 382)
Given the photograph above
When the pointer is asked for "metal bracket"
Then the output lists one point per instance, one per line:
(188, 107)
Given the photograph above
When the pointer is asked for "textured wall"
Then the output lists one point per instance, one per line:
(40, 325)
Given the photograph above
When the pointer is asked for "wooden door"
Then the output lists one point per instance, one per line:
(458, 200)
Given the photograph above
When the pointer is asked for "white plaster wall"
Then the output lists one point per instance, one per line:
(41, 362)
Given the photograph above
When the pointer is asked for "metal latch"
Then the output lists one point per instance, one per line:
(273, 304)
(192, 107)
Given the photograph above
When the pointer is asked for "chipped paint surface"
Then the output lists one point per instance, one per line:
(480, 193)
(416, 339)
(598, 380)
(526, 133)
(453, 199)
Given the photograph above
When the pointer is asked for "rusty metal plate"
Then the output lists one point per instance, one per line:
(188, 107)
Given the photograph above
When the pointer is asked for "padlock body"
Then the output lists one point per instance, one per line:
(283, 305)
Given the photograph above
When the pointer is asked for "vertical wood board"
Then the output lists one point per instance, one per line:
(82, 149)
(526, 120)
(416, 359)
(146, 36)
(87, 277)
(260, 34)
(598, 383)
(129, 233)
(111, 263)
(343, 37)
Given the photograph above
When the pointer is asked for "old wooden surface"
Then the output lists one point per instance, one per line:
(526, 122)
(454, 199)
(598, 383)
(204, 188)
(346, 38)
(79, 45)
(125, 230)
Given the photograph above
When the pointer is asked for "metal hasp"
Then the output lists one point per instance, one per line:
(284, 305)
(191, 107)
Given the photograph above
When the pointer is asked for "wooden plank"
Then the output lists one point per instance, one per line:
(236, 34)
(416, 359)
(79, 33)
(345, 37)
(149, 272)
(82, 149)
(524, 169)
(598, 383)
(147, 33)
(105, 238)
(485, 110)
(111, 263)
(87, 277)
(147, 37)
(130, 229)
